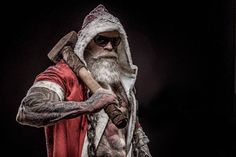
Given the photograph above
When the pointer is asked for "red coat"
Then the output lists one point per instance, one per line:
(65, 138)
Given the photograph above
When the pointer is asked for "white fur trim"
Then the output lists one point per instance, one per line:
(129, 154)
(102, 120)
(85, 147)
(52, 86)
(128, 82)
(132, 121)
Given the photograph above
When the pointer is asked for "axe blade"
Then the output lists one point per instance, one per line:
(68, 40)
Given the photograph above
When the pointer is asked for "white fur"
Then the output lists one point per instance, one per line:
(52, 86)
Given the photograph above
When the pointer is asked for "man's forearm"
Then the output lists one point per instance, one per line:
(42, 107)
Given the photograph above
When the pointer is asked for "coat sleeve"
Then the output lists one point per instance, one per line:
(47, 101)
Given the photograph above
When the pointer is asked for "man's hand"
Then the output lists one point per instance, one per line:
(72, 59)
(101, 99)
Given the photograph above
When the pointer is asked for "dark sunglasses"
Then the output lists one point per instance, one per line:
(103, 41)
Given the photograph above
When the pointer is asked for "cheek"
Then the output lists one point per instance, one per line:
(95, 50)
(95, 53)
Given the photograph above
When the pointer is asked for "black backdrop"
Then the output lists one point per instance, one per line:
(185, 55)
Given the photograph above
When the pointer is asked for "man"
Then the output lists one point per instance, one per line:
(74, 119)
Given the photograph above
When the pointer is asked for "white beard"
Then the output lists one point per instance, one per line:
(104, 70)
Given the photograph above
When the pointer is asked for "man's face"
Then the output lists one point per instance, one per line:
(102, 58)
(104, 45)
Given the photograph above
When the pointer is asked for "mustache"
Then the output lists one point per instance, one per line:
(108, 56)
(102, 54)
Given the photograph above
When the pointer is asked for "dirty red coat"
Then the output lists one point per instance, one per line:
(66, 137)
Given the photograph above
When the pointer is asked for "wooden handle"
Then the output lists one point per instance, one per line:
(87, 78)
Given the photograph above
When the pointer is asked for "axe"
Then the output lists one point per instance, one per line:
(117, 117)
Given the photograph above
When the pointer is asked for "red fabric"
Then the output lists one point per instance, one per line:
(65, 138)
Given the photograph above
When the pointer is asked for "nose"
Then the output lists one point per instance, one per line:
(108, 46)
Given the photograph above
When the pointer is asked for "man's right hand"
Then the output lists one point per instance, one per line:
(100, 99)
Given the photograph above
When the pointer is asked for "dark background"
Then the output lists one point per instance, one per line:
(185, 53)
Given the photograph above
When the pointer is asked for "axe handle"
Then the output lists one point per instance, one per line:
(89, 81)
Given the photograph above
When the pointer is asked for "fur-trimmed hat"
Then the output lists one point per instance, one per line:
(100, 20)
